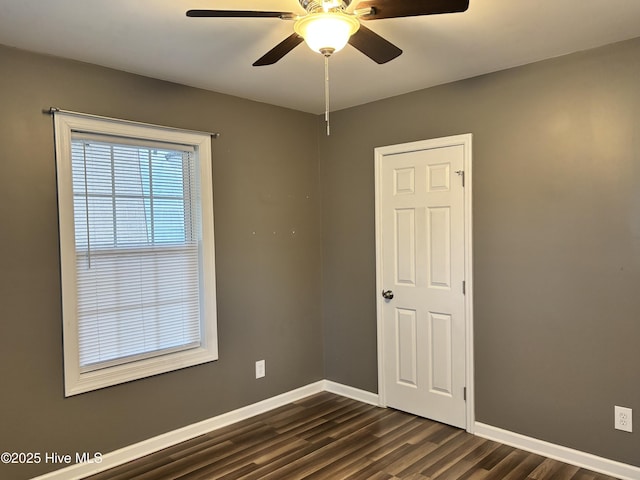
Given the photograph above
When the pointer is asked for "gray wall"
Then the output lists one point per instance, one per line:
(556, 199)
(265, 181)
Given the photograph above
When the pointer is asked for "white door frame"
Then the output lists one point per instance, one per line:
(380, 152)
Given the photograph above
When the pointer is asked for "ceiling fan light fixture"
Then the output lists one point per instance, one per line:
(326, 32)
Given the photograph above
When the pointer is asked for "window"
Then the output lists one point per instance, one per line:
(137, 252)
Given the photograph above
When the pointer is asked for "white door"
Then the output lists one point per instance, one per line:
(421, 276)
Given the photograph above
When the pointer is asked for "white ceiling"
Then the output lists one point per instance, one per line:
(155, 38)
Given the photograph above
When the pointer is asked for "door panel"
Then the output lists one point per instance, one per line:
(406, 347)
(440, 347)
(405, 227)
(439, 247)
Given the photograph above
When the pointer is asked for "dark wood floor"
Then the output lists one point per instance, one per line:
(326, 436)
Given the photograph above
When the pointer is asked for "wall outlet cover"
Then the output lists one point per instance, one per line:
(623, 419)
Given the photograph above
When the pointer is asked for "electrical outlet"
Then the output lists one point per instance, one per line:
(260, 369)
(623, 419)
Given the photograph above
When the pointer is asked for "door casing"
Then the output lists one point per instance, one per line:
(380, 153)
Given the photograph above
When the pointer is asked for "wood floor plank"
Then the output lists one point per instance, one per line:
(525, 467)
(444, 448)
(545, 470)
(495, 457)
(477, 474)
(236, 464)
(321, 457)
(455, 470)
(437, 468)
(329, 437)
(584, 475)
(379, 466)
(508, 465)
(408, 464)
(263, 470)
(349, 463)
(397, 439)
(565, 472)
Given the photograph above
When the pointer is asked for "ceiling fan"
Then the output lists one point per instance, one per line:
(328, 25)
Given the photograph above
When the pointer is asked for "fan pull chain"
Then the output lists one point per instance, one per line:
(326, 93)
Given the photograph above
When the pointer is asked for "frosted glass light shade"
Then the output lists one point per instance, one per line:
(326, 31)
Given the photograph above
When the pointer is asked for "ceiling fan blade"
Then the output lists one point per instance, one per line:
(238, 14)
(279, 51)
(410, 8)
(374, 46)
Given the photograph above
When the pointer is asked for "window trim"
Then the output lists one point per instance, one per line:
(75, 381)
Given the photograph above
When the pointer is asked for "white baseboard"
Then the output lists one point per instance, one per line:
(558, 452)
(351, 392)
(151, 445)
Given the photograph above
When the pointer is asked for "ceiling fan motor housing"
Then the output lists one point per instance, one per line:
(324, 5)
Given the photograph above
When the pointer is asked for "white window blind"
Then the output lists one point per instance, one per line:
(137, 249)
(137, 257)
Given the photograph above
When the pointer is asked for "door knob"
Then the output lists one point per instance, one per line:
(387, 294)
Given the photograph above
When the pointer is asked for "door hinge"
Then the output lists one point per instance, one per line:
(464, 287)
(464, 393)
(461, 173)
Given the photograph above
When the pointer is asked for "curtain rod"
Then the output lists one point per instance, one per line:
(53, 110)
